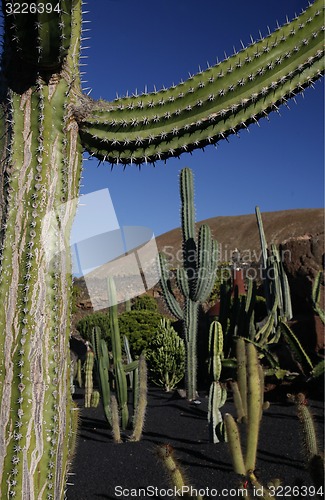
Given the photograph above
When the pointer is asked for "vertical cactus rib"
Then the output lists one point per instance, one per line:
(41, 171)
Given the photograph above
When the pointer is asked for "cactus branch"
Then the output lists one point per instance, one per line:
(214, 103)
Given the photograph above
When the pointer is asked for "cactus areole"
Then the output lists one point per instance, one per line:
(46, 122)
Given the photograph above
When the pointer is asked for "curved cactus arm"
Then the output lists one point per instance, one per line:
(207, 269)
(182, 282)
(169, 297)
(212, 104)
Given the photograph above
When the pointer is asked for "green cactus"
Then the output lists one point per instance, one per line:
(45, 123)
(275, 280)
(241, 398)
(113, 372)
(79, 373)
(217, 392)
(89, 365)
(240, 387)
(195, 280)
(141, 403)
(316, 296)
(314, 457)
(177, 478)
(250, 381)
(166, 357)
(211, 105)
(94, 399)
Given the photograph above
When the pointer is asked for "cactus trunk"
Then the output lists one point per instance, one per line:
(40, 171)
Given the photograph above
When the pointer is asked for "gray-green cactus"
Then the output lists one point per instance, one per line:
(275, 280)
(45, 123)
(195, 279)
(217, 392)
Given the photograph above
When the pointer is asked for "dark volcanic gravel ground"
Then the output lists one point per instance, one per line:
(105, 470)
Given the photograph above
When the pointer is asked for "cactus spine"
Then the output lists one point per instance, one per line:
(45, 123)
(195, 279)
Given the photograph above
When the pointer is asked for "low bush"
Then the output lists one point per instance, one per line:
(139, 326)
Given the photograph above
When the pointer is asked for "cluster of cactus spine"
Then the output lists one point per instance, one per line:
(177, 478)
(314, 457)
(217, 392)
(45, 123)
(115, 366)
(195, 279)
(166, 356)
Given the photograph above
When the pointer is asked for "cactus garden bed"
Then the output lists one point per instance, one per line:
(105, 470)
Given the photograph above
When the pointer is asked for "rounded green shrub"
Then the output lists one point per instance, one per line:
(140, 326)
(86, 324)
(145, 302)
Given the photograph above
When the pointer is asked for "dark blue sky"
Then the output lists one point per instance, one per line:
(278, 165)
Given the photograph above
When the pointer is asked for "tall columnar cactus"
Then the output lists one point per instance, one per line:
(45, 123)
(195, 279)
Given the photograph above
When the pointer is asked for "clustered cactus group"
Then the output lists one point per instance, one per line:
(46, 123)
(113, 369)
